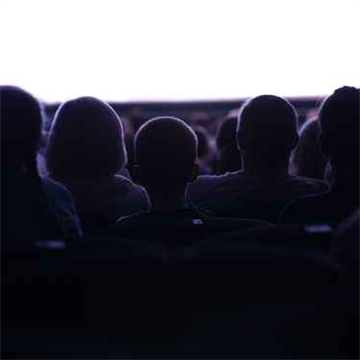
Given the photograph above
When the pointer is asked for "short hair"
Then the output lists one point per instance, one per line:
(166, 151)
(86, 139)
(267, 124)
(21, 123)
(339, 117)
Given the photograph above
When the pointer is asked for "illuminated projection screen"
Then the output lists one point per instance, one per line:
(179, 49)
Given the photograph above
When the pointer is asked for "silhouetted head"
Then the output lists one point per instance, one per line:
(308, 159)
(267, 129)
(86, 140)
(339, 121)
(21, 122)
(229, 158)
(166, 154)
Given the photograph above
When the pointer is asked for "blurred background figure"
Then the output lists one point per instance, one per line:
(204, 152)
(308, 159)
(228, 158)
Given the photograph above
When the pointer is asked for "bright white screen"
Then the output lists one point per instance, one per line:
(179, 49)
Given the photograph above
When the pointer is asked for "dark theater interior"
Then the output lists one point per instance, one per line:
(180, 179)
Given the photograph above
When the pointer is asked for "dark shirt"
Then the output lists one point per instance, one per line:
(24, 216)
(179, 228)
(243, 195)
(330, 208)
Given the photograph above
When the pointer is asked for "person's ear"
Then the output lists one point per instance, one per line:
(195, 172)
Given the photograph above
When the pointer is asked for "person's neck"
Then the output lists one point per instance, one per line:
(166, 200)
(259, 167)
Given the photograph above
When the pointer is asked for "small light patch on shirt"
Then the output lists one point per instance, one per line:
(197, 222)
(52, 244)
(318, 229)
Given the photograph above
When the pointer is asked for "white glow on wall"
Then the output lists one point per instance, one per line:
(179, 49)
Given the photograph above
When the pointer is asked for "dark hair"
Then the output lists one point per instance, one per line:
(339, 121)
(86, 140)
(21, 124)
(267, 125)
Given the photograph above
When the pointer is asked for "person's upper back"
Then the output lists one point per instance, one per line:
(240, 194)
(100, 202)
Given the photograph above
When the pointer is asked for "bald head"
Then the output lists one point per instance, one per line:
(166, 153)
(267, 125)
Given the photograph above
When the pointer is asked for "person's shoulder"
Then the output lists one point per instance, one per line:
(207, 182)
(55, 189)
(121, 180)
(124, 183)
(126, 222)
(301, 210)
(308, 182)
(219, 178)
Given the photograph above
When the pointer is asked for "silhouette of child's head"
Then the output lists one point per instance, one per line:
(166, 153)
(267, 128)
(21, 122)
(86, 140)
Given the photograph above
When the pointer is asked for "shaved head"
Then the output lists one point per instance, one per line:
(267, 123)
(166, 152)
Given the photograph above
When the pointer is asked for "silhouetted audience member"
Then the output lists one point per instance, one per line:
(308, 159)
(339, 122)
(165, 166)
(85, 151)
(32, 208)
(266, 134)
(228, 156)
(203, 149)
